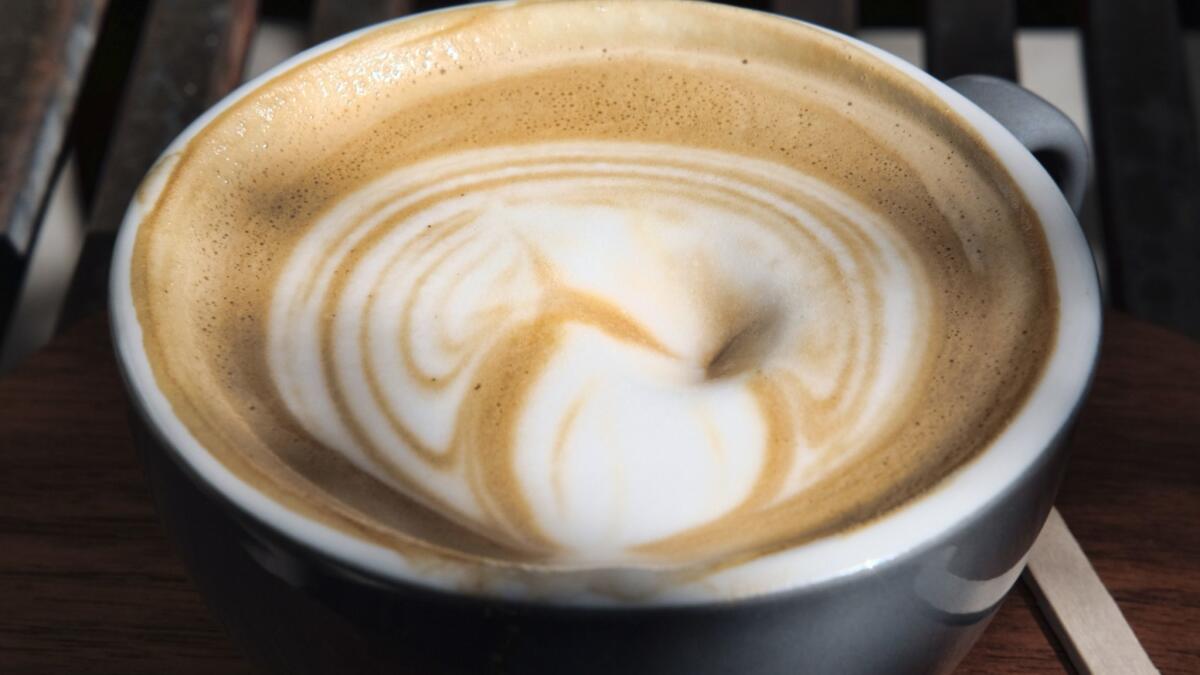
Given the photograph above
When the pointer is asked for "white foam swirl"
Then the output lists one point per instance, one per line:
(591, 348)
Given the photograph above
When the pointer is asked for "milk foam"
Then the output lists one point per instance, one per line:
(577, 286)
(643, 267)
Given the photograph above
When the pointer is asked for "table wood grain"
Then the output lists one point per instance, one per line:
(88, 583)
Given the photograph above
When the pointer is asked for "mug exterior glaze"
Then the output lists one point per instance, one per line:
(908, 593)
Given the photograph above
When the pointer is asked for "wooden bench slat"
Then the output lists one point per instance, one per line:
(1148, 158)
(840, 15)
(976, 37)
(191, 54)
(44, 51)
(331, 18)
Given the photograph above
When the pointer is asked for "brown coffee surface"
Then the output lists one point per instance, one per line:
(602, 107)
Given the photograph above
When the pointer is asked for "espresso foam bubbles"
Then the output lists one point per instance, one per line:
(579, 285)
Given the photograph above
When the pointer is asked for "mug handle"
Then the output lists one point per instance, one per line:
(1043, 129)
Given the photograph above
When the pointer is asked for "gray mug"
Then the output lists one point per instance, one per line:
(909, 592)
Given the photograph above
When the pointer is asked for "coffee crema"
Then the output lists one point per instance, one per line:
(588, 285)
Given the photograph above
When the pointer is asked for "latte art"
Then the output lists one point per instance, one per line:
(591, 348)
(540, 291)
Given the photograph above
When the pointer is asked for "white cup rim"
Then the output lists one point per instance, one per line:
(895, 536)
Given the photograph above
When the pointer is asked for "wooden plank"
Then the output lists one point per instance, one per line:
(103, 87)
(44, 51)
(331, 18)
(1079, 607)
(963, 38)
(840, 15)
(191, 54)
(1148, 159)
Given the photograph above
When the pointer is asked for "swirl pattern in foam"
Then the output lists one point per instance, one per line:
(561, 286)
(593, 348)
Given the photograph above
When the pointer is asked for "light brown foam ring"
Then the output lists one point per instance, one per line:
(246, 189)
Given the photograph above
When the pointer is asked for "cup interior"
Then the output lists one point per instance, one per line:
(906, 530)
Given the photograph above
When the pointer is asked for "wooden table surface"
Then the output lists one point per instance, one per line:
(88, 582)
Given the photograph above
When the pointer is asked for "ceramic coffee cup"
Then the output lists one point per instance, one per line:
(908, 592)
